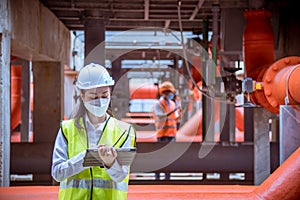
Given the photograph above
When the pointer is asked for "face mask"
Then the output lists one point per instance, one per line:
(170, 96)
(97, 107)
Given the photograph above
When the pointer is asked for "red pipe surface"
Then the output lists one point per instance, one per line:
(15, 95)
(145, 91)
(258, 49)
(258, 42)
(282, 79)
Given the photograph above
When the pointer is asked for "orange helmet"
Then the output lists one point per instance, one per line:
(166, 86)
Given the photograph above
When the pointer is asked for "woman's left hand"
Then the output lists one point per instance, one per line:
(107, 154)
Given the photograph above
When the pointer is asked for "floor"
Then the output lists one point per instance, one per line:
(137, 192)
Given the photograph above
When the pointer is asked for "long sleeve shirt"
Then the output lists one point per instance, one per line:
(63, 167)
(159, 109)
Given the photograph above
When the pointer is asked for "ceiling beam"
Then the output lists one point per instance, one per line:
(199, 5)
(147, 5)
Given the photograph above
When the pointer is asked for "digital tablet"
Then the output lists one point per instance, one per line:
(125, 156)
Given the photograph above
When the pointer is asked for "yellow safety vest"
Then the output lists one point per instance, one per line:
(94, 182)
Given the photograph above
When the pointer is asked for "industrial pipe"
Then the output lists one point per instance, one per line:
(192, 129)
(258, 42)
(15, 95)
(281, 83)
(278, 81)
(146, 91)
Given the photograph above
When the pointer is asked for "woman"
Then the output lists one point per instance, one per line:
(91, 126)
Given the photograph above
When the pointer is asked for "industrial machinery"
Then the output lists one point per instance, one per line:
(235, 138)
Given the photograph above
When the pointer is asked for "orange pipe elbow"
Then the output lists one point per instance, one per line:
(258, 49)
(15, 95)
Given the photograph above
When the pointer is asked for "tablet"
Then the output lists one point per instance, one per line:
(125, 156)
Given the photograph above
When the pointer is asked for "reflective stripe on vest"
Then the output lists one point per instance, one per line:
(165, 127)
(91, 182)
(97, 183)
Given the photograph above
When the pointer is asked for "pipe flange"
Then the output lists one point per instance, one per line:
(259, 94)
(272, 92)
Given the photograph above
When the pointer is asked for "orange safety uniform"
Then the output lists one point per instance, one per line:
(166, 126)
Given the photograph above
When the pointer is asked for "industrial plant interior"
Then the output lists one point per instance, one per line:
(235, 65)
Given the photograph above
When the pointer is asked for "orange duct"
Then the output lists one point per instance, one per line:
(15, 95)
(279, 79)
(192, 129)
(239, 122)
(146, 91)
(282, 79)
(258, 47)
(258, 42)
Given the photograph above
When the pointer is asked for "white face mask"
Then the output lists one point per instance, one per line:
(97, 107)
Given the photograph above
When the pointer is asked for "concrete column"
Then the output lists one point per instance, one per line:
(48, 100)
(289, 138)
(94, 37)
(120, 92)
(261, 145)
(25, 102)
(4, 92)
(116, 69)
(227, 122)
(248, 124)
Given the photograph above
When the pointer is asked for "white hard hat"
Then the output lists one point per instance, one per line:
(93, 76)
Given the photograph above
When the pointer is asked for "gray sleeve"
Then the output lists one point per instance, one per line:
(62, 167)
(159, 111)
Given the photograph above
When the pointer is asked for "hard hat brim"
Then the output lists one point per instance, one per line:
(95, 86)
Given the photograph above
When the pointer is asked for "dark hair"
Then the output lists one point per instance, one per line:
(79, 111)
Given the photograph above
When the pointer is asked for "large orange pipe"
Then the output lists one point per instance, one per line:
(258, 49)
(144, 91)
(282, 79)
(15, 95)
(192, 129)
(258, 42)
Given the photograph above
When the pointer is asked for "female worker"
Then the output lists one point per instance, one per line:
(91, 126)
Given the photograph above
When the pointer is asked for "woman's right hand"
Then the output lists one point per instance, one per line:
(107, 154)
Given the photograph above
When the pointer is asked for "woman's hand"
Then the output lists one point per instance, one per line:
(107, 154)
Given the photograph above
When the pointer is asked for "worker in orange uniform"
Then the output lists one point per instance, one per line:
(166, 115)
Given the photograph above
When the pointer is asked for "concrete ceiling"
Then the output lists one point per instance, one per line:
(123, 15)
